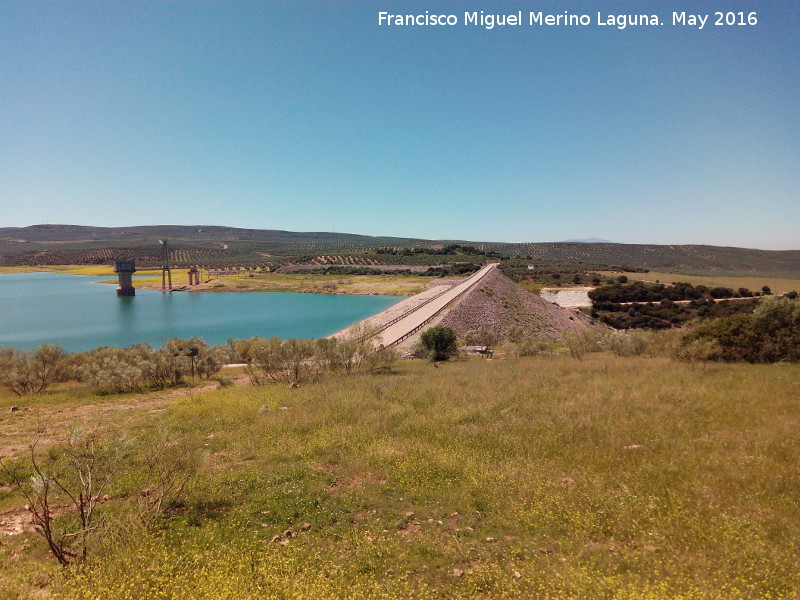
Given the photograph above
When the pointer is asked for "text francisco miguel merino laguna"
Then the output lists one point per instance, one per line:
(565, 19)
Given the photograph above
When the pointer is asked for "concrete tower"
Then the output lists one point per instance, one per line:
(125, 269)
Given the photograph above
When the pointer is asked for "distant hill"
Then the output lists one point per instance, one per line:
(591, 241)
(231, 246)
(689, 259)
(44, 236)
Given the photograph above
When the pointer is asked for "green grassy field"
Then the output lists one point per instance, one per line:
(777, 285)
(520, 478)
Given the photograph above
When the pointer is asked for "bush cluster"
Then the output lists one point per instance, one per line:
(770, 334)
(296, 360)
(640, 291)
(438, 271)
(530, 346)
(110, 369)
(666, 313)
(117, 370)
(449, 249)
(622, 343)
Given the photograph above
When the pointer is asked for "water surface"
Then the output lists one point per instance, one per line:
(79, 314)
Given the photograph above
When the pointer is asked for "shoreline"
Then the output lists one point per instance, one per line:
(401, 286)
(263, 291)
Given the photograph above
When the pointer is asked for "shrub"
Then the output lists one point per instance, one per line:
(482, 337)
(664, 343)
(515, 334)
(224, 381)
(629, 343)
(698, 350)
(441, 343)
(32, 372)
(417, 350)
(274, 360)
(734, 335)
(580, 342)
(171, 463)
(76, 473)
(533, 346)
(357, 354)
(115, 370)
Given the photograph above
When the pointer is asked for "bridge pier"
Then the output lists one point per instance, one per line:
(125, 270)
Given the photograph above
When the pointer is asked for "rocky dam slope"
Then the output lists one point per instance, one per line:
(500, 304)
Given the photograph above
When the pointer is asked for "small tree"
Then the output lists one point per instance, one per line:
(299, 360)
(80, 469)
(440, 343)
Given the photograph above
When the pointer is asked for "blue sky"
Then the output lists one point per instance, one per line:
(308, 116)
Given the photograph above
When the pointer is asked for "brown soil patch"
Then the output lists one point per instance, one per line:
(15, 522)
(20, 520)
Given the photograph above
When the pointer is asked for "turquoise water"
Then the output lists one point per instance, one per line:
(79, 314)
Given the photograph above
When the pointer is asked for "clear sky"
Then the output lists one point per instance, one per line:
(308, 115)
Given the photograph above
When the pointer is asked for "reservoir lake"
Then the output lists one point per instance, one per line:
(79, 314)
